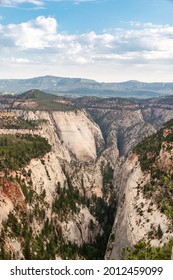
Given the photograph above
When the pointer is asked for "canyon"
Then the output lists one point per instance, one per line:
(86, 188)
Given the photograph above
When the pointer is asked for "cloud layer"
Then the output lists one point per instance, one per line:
(12, 3)
(16, 2)
(37, 44)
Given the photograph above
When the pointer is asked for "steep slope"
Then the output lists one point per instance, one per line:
(125, 122)
(62, 193)
(145, 189)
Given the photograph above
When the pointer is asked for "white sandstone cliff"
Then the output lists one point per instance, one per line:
(136, 216)
(76, 141)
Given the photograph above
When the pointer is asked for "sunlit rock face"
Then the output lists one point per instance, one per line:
(137, 216)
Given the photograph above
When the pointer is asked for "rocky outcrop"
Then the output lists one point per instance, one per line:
(76, 142)
(78, 228)
(138, 217)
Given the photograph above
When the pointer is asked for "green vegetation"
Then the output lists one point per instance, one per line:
(28, 193)
(18, 123)
(160, 187)
(44, 245)
(41, 246)
(17, 150)
(148, 149)
(100, 208)
(144, 251)
(45, 101)
(107, 174)
(67, 201)
(4, 255)
(49, 241)
(168, 124)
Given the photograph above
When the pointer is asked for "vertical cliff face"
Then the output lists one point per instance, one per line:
(62, 191)
(144, 195)
(68, 129)
(137, 217)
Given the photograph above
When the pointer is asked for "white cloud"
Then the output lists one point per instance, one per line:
(20, 60)
(38, 44)
(16, 2)
(12, 3)
(14, 60)
(35, 34)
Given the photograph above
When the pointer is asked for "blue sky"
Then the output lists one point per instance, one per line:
(105, 40)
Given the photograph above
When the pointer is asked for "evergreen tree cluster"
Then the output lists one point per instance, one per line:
(144, 251)
(17, 150)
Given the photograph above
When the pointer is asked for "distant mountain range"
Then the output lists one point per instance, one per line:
(81, 87)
